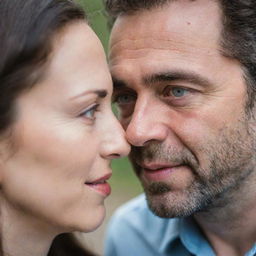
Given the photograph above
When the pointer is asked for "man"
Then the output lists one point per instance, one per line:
(184, 74)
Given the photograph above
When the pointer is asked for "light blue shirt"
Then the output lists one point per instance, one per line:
(135, 231)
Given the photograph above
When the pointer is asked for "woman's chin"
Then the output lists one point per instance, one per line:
(88, 222)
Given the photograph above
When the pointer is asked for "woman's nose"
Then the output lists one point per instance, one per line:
(114, 144)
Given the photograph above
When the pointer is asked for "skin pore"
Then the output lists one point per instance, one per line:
(182, 104)
(62, 144)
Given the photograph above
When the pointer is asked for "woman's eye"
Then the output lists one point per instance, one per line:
(90, 113)
(177, 92)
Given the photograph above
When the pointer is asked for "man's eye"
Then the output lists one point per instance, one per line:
(125, 103)
(123, 99)
(176, 92)
(90, 112)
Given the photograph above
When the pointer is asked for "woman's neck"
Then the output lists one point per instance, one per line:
(23, 235)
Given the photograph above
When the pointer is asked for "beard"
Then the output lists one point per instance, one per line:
(228, 162)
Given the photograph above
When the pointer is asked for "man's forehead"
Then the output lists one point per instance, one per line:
(168, 33)
(181, 16)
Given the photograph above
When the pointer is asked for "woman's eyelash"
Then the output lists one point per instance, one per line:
(90, 112)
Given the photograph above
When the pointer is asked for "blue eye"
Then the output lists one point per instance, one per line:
(123, 99)
(176, 92)
(125, 103)
(90, 113)
(179, 92)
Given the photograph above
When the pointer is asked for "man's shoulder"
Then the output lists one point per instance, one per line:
(136, 206)
(135, 216)
(135, 210)
(135, 230)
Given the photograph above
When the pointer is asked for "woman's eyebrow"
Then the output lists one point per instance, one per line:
(100, 93)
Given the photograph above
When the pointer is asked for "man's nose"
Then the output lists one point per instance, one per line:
(145, 125)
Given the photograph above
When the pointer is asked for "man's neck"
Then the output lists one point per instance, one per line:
(231, 229)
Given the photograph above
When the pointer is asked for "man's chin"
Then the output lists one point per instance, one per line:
(160, 206)
(170, 204)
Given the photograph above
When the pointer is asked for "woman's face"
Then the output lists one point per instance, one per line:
(64, 138)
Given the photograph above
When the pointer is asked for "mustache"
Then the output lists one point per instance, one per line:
(159, 153)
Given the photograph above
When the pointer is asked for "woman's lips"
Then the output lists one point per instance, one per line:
(102, 188)
(100, 185)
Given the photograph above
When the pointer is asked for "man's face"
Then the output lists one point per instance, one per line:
(182, 104)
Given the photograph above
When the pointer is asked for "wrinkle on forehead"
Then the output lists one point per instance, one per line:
(180, 25)
(134, 48)
(180, 13)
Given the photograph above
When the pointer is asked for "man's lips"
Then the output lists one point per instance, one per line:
(100, 185)
(159, 172)
(158, 166)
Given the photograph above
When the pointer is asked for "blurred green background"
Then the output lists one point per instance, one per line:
(123, 179)
(98, 19)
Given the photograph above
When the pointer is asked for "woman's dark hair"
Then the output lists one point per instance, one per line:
(26, 32)
(67, 245)
(27, 28)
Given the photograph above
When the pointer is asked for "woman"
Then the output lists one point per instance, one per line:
(58, 133)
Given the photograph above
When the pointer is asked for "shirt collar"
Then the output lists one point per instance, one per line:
(193, 239)
(189, 234)
(187, 230)
(170, 235)
(252, 252)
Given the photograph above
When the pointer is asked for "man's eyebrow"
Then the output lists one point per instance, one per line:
(118, 84)
(169, 76)
(100, 93)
